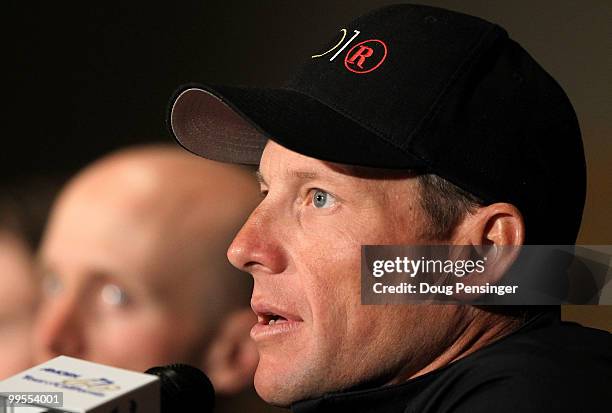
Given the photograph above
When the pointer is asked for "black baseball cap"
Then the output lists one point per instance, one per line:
(419, 88)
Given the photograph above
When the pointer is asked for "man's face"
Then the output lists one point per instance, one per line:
(116, 290)
(302, 247)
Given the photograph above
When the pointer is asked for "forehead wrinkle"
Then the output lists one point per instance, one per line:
(307, 175)
(300, 174)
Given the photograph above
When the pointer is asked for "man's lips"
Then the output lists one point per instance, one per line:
(272, 320)
(266, 311)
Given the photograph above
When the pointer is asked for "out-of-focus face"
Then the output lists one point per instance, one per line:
(129, 264)
(107, 292)
(17, 301)
(302, 247)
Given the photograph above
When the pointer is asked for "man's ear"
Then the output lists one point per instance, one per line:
(496, 224)
(232, 357)
(494, 231)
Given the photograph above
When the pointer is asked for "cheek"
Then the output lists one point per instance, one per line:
(137, 341)
(331, 282)
(15, 350)
(331, 255)
(332, 260)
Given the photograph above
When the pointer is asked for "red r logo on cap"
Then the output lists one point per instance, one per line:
(366, 56)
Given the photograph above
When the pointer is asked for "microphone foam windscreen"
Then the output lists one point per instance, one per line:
(184, 388)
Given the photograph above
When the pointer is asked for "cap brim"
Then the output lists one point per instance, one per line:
(233, 124)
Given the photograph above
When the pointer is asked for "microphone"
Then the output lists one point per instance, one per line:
(184, 387)
(67, 384)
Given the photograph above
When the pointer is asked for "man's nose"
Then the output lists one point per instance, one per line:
(58, 330)
(258, 246)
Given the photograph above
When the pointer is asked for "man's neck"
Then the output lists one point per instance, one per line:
(483, 329)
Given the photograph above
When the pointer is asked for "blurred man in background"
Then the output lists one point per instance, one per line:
(134, 267)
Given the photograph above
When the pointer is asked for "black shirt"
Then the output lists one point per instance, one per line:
(545, 366)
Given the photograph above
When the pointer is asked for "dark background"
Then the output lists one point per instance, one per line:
(89, 77)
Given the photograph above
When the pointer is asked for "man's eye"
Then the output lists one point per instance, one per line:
(52, 285)
(321, 199)
(114, 295)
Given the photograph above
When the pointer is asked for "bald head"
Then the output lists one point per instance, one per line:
(162, 199)
(140, 236)
(165, 183)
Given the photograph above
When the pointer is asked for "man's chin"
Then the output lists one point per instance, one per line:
(274, 392)
(281, 387)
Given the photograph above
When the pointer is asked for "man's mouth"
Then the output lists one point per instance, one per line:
(272, 321)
